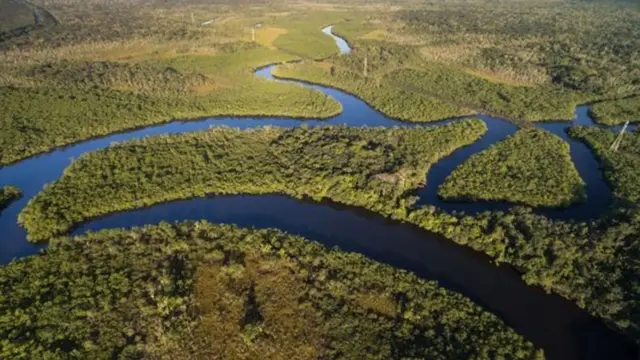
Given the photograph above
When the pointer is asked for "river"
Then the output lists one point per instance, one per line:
(557, 325)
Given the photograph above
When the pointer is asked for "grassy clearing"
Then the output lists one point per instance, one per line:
(303, 37)
(617, 111)
(266, 36)
(201, 291)
(620, 167)
(531, 167)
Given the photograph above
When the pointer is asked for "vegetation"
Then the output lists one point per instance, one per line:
(72, 83)
(432, 92)
(156, 63)
(8, 194)
(532, 167)
(304, 38)
(202, 291)
(39, 119)
(381, 93)
(353, 165)
(512, 102)
(593, 264)
(591, 47)
(620, 167)
(617, 111)
(530, 60)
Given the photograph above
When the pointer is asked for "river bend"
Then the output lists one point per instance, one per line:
(558, 326)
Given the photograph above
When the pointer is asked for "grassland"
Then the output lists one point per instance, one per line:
(592, 264)
(200, 291)
(7, 195)
(532, 167)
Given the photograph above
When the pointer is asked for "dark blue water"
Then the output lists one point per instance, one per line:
(556, 325)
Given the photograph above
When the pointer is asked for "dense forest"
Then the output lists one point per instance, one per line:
(617, 111)
(594, 264)
(367, 166)
(620, 167)
(532, 167)
(7, 195)
(590, 47)
(203, 291)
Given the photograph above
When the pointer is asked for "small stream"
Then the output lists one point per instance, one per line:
(558, 326)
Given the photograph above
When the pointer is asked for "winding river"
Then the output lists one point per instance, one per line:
(558, 326)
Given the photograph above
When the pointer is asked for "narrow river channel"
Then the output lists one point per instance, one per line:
(558, 326)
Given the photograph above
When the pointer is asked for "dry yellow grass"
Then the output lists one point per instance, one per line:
(207, 88)
(498, 78)
(447, 53)
(375, 35)
(266, 36)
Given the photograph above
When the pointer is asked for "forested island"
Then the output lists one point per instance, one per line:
(532, 157)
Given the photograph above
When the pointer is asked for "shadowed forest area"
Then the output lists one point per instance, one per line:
(203, 291)
(7, 195)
